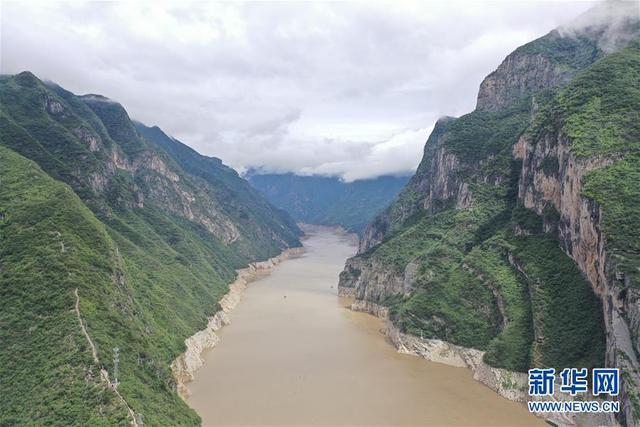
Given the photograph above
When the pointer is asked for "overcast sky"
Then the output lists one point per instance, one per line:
(342, 88)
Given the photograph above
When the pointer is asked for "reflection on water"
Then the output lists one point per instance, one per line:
(294, 355)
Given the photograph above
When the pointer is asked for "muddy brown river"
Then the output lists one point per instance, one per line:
(294, 355)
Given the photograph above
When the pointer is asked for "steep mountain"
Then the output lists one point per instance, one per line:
(236, 197)
(518, 234)
(329, 200)
(116, 244)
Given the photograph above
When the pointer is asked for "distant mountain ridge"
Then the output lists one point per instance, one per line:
(114, 228)
(329, 200)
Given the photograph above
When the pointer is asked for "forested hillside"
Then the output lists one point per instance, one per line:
(517, 235)
(115, 245)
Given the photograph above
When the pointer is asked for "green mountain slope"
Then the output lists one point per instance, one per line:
(328, 200)
(149, 245)
(518, 233)
(235, 196)
(51, 246)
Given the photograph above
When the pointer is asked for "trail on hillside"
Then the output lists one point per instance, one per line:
(104, 375)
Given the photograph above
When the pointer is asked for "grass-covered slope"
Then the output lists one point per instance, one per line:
(328, 200)
(90, 143)
(616, 189)
(469, 290)
(149, 244)
(50, 245)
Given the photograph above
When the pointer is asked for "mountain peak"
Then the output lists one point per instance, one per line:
(27, 79)
(552, 60)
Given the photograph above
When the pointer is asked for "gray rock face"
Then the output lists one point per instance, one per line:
(435, 184)
(579, 230)
(369, 280)
(518, 75)
(555, 58)
(546, 63)
(374, 233)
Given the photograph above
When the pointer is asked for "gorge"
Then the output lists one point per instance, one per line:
(295, 355)
(144, 283)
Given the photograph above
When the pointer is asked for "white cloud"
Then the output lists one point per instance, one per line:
(348, 88)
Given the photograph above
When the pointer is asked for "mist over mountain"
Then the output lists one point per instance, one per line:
(517, 238)
(347, 89)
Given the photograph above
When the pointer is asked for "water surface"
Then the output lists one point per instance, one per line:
(294, 355)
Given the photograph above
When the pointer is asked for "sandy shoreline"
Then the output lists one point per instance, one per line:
(185, 365)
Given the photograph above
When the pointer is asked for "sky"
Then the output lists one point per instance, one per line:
(348, 89)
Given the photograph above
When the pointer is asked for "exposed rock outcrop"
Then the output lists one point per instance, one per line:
(508, 384)
(555, 58)
(577, 223)
(435, 185)
(369, 280)
(520, 73)
(371, 308)
(550, 182)
(90, 183)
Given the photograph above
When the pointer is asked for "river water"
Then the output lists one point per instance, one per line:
(295, 355)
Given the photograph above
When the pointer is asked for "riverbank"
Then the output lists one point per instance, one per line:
(508, 384)
(185, 365)
(300, 357)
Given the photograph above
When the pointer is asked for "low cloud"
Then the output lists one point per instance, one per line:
(350, 89)
(616, 20)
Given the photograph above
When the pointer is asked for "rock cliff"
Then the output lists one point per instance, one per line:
(510, 202)
(556, 167)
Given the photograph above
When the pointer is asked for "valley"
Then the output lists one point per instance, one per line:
(145, 283)
(328, 200)
(294, 354)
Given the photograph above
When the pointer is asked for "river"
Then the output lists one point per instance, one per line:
(295, 355)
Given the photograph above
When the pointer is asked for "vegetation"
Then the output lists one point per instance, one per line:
(616, 189)
(50, 245)
(148, 232)
(443, 304)
(567, 315)
(453, 297)
(482, 134)
(511, 348)
(575, 53)
(599, 111)
(234, 195)
(489, 276)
